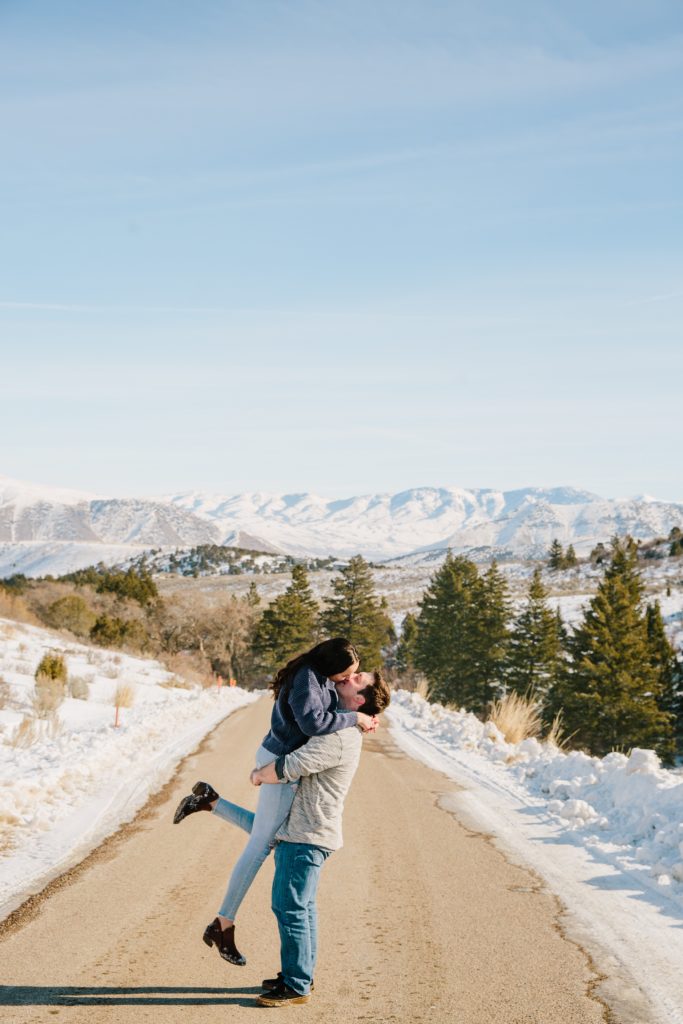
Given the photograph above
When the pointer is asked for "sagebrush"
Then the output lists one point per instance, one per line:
(48, 695)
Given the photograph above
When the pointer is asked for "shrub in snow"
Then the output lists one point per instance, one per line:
(52, 666)
(71, 613)
(48, 695)
(79, 687)
(112, 631)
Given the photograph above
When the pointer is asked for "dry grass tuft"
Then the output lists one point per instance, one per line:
(518, 717)
(79, 687)
(556, 736)
(177, 683)
(110, 671)
(48, 695)
(422, 687)
(5, 694)
(25, 734)
(124, 696)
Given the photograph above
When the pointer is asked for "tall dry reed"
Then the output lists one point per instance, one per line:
(124, 697)
(518, 717)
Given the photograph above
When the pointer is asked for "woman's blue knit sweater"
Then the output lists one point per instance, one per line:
(307, 707)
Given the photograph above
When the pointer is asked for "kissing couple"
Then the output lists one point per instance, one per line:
(304, 768)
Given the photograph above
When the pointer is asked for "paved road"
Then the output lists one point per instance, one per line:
(421, 919)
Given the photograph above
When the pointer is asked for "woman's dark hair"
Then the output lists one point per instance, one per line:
(328, 658)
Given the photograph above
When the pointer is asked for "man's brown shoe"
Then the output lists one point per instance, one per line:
(282, 995)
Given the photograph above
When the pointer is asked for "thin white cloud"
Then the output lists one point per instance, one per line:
(179, 85)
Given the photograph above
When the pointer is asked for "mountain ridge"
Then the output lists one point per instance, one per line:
(520, 522)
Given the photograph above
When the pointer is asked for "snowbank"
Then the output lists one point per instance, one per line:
(76, 784)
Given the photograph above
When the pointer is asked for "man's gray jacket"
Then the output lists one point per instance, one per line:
(325, 767)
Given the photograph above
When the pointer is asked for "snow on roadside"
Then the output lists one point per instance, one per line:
(606, 834)
(71, 787)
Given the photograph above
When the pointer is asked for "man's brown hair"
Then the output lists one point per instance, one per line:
(377, 696)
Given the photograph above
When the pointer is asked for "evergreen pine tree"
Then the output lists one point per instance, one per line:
(670, 671)
(535, 645)
(610, 693)
(556, 555)
(253, 596)
(570, 559)
(676, 542)
(288, 625)
(446, 646)
(405, 652)
(355, 612)
(490, 627)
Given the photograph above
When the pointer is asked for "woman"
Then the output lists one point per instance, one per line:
(305, 705)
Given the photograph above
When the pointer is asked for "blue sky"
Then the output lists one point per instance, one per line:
(341, 247)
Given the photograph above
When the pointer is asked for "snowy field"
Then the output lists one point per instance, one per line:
(76, 780)
(606, 834)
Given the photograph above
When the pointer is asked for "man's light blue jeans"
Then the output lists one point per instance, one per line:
(295, 886)
(274, 804)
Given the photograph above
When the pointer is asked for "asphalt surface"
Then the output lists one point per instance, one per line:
(421, 919)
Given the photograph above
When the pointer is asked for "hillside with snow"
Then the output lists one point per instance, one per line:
(71, 778)
(46, 529)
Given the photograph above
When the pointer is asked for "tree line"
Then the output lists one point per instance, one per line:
(615, 678)
(228, 636)
(293, 622)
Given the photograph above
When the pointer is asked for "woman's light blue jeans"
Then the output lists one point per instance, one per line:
(274, 804)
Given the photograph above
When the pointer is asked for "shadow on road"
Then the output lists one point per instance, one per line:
(147, 995)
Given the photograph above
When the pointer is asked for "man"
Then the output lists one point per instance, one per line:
(324, 767)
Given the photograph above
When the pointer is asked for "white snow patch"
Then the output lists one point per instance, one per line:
(61, 796)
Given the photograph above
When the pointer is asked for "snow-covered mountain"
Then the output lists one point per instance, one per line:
(42, 529)
(520, 522)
